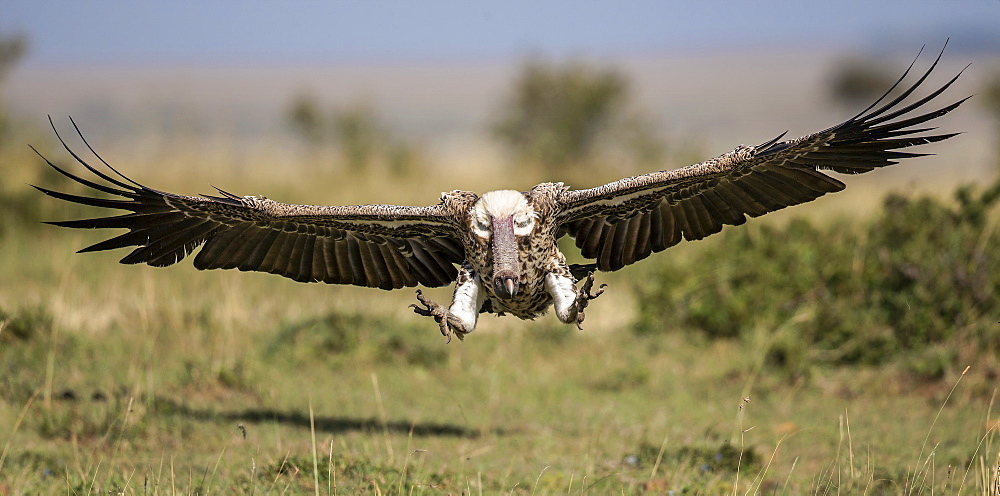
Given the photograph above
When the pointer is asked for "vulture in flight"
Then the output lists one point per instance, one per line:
(500, 249)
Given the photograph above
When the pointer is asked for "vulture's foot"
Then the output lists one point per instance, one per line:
(450, 325)
(584, 296)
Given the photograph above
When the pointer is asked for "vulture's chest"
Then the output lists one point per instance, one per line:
(537, 255)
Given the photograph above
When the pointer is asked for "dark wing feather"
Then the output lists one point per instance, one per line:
(383, 246)
(625, 221)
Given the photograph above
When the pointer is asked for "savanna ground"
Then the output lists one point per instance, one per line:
(132, 380)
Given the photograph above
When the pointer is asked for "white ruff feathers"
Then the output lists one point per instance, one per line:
(504, 203)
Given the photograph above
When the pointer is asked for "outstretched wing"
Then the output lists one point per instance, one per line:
(625, 221)
(383, 246)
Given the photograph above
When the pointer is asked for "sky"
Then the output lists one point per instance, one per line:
(223, 31)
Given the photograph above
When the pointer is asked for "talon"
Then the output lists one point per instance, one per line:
(583, 297)
(600, 291)
(420, 311)
(439, 313)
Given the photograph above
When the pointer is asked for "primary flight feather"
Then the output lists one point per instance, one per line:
(500, 249)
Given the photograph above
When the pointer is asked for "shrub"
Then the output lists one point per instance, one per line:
(859, 81)
(561, 117)
(360, 137)
(921, 273)
(556, 113)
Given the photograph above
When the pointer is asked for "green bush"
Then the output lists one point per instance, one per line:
(921, 273)
(561, 117)
(556, 113)
(360, 137)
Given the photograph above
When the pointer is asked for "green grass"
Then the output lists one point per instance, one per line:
(128, 379)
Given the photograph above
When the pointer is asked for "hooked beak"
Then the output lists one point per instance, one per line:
(506, 269)
(505, 287)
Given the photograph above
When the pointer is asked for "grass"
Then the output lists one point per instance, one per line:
(132, 380)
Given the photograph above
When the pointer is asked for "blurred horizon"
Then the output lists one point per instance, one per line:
(218, 77)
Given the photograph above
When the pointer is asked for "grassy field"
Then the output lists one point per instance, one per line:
(132, 380)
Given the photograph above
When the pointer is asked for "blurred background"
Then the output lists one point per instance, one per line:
(860, 310)
(451, 86)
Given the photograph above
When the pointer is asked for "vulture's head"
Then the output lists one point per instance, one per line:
(501, 217)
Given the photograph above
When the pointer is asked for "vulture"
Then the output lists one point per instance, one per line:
(501, 248)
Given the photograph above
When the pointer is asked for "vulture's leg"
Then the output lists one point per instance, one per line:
(568, 301)
(461, 317)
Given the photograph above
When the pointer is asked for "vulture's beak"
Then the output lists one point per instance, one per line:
(506, 269)
(505, 287)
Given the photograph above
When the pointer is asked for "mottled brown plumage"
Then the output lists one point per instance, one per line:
(501, 248)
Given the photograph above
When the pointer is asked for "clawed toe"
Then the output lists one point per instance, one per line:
(584, 296)
(588, 285)
(439, 313)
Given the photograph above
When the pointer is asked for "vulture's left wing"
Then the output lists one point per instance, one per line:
(383, 246)
(625, 221)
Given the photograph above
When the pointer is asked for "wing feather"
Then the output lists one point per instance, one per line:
(656, 230)
(384, 246)
(683, 225)
(626, 242)
(368, 267)
(421, 264)
(274, 252)
(608, 243)
(625, 221)
(175, 245)
(724, 210)
(232, 245)
(296, 257)
(256, 257)
(641, 246)
(673, 221)
(317, 259)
